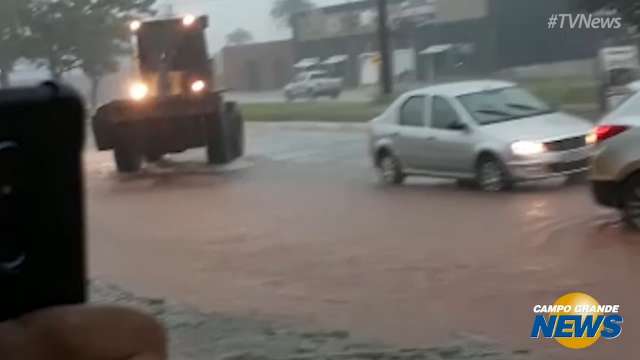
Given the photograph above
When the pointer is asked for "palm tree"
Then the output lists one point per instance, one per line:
(283, 10)
(239, 37)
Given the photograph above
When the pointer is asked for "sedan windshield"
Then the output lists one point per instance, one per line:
(492, 106)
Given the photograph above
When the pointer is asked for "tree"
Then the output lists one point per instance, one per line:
(53, 28)
(99, 50)
(91, 35)
(13, 19)
(105, 38)
(239, 37)
(283, 10)
(629, 10)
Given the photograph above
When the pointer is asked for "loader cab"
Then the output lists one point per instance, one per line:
(172, 58)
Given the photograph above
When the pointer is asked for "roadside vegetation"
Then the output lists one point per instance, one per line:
(566, 93)
(323, 111)
(65, 35)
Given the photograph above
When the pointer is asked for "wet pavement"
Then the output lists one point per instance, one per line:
(301, 231)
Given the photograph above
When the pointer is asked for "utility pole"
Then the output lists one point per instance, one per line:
(385, 56)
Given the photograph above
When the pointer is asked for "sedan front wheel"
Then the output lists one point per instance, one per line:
(491, 175)
(631, 202)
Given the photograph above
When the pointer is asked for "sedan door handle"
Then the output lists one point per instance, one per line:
(430, 138)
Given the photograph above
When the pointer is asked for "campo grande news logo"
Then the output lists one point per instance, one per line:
(577, 321)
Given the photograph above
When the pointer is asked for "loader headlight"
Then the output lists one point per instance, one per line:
(198, 86)
(138, 91)
(188, 20)
(135, 25)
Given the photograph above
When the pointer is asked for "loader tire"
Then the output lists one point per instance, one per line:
(127, 157)
(153, 157)
(237, 132)
(225, 136)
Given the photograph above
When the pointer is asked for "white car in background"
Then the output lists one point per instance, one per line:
(313, 84)
(615, 171)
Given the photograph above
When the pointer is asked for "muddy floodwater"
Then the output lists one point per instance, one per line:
(301, 231)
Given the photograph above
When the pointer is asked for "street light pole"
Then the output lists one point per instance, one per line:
(383, 40)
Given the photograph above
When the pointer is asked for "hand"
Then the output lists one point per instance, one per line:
(83, 333)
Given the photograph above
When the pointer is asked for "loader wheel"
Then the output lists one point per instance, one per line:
(237, 132)
(128, 158)
(153, 157)
(225, 136)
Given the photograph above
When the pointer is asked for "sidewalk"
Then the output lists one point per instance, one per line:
(198, 336)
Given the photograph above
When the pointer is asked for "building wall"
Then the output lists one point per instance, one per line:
(459, 10)
(352, 46)
(258, 67)
(470, 32)
(513, 33)
(502, 33)
(523, 37)
(455, 21)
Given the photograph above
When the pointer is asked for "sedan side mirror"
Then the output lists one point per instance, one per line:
(459, 126)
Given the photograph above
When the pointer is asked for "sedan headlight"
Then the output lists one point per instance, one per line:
(527, 148)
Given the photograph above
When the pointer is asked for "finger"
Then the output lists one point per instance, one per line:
(15, 343)
(104, 333)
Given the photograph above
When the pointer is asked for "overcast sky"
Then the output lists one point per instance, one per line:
(228, 15)
(224, 15)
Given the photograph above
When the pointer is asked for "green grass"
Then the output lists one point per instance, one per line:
(563, 91)
(556, 91)
(312, 111)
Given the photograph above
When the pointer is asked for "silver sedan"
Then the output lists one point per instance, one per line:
(487, 133)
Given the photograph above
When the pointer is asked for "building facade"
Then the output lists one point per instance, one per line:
(257, 67)
(448, 38)
(432, 40)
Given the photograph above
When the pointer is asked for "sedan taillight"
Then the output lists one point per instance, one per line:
(604, 132)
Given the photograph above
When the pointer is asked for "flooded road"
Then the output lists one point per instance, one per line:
(301, 230)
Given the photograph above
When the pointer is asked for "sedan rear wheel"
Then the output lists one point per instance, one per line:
(631, 202)
(390, 170)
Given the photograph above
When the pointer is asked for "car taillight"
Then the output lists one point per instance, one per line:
(604, 132)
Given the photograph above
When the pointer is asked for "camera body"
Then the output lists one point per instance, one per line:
(42, 229)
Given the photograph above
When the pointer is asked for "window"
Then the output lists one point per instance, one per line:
(630, 107)
(318, 76)
(506, 104)
(412, 112)
(444, 115)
